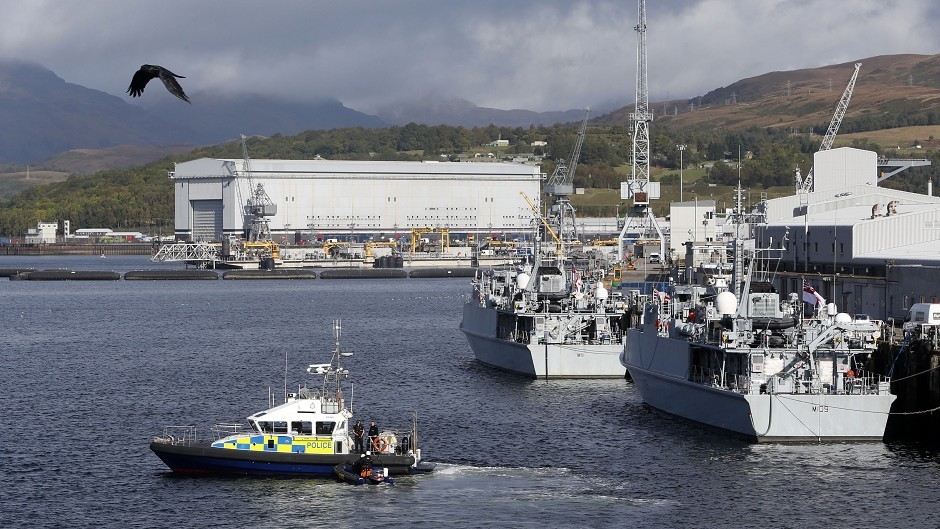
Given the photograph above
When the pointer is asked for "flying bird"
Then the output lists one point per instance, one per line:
(148, 72)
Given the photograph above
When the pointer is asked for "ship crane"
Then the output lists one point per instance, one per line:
(548, 228)
(805, 185)
(560, 186)
(259, 205)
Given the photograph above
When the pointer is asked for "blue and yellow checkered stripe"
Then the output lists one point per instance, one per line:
(276, 443)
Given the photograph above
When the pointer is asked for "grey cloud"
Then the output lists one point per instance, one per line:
(533, 54)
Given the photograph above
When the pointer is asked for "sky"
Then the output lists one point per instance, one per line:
(538, 55)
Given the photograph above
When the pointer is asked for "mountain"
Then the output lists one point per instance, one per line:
(434, 110)
(891, 91)
(218, 118)
(43, 115)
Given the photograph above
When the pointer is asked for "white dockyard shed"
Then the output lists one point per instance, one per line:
(354, 197)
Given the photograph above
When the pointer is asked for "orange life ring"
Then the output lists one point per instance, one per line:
(379, 444)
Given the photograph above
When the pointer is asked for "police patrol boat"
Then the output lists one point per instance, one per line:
(308, 435)
(542, 319)
(751, 364)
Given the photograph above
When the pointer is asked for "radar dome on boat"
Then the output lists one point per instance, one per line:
(600, 292)
(726, 302)
(831, 309)
(522, 280)
(842, 317)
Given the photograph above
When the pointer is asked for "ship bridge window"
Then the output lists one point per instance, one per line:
(272, 427)
(325, 427)
(301, 427)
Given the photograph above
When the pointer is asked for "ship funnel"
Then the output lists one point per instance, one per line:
(727, 303)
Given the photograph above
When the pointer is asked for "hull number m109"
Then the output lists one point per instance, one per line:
(821, 409)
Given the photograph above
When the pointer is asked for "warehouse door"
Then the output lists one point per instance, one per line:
(207, 220)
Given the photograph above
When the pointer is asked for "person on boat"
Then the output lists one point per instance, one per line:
(363, 466)
(358, 432)
(373, 435)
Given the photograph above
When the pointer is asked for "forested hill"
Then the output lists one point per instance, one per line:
(142, 197)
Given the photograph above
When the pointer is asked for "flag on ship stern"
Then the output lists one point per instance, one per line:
(811, 296)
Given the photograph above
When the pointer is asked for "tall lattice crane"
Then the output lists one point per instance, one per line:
(560, 186)
(259, 205)
(805, 185)
(639, 189)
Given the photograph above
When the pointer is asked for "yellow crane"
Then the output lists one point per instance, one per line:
(544, 222)
(373, 244)
(416, 237)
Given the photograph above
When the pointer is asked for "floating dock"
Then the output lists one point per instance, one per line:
(66, 275)
(443, 272)
(11, 272)
(364, 273)
(277, 273)
(170, 275)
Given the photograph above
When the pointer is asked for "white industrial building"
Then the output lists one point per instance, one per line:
(867, 248)
(320, 197)
(43, 233)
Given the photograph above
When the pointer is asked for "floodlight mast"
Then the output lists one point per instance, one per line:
(638, 188)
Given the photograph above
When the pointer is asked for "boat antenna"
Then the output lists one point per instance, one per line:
(285, 376)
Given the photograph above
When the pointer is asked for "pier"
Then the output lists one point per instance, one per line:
(116, 248)
(912, 363)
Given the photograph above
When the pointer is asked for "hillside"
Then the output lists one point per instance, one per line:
(460, 112)
(43, 115)
(888, 87)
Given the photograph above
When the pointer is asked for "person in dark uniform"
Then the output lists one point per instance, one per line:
(358, 432)
(373, 435)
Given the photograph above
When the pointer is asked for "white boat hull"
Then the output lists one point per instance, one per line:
(659, 367)
(537, 360)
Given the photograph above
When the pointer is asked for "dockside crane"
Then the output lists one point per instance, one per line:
(805, 185)
(560, 186)
(259, 205)
(639, 189)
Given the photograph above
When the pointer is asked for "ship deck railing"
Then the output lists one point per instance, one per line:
(867, 384)
(177, 435)
(611, 338)
(221, 430)
(394, 441)
(713, 377)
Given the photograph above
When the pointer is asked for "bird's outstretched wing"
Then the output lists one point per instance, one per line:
(148, 72)
(169, 81)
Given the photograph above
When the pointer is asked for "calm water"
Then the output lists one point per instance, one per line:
(92, 370)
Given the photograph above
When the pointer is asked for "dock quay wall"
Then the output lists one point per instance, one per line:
(117, 248)
(31, 274)
(914, 368)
